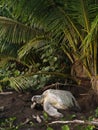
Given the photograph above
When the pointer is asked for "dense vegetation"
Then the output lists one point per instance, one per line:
(44, 41)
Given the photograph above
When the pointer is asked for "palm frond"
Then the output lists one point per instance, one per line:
(16, 32)
(3, 62)
(19, 83)
(67, 51)
(5, 59)
(27, 80)
(93, 31)
(8, 49)
(34, 43)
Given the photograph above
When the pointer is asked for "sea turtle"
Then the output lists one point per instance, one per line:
(52, 100)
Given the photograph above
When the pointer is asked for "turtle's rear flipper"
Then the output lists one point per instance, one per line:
(75, 106)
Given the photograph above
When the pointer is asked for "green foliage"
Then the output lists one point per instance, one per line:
(49, 128)
(31, 123)
(95, 115)
(65, 127)
(43, 29)
(29, 73)
(8, 124)
(89, 127)
(46, 117)
(96, 112)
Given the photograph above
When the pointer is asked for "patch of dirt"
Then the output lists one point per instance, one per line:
(19, 105)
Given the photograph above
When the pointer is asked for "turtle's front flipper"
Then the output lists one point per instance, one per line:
(52, 111)
(33, 105)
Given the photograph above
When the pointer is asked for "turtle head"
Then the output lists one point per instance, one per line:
(38, 99)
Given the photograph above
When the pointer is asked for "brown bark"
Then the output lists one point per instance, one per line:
(80, 73)
(78, 70)
(94, 82)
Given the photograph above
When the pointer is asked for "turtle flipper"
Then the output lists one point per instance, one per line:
(52, 111)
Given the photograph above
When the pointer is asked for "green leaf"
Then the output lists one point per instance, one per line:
(65, 127)
(96, 112)
(45, 116)
(1, 88)
(17, 72)
(89, 127)
(49, 128)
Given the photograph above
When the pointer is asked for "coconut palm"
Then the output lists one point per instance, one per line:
(71, 25)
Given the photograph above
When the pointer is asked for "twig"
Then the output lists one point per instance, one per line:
(53, 85)
(57, 84)
(26, 121)
(95, 123)
(5, 93)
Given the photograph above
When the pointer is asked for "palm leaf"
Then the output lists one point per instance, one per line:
(16, 32)
(8, 49)
(34, 43)
(89, 38)
(19, 83)
(25, 81)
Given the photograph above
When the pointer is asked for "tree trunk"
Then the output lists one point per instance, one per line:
(91, 83)
(94, 82)
(79, 72)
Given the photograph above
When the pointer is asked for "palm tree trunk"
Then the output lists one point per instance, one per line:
(94, 82)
